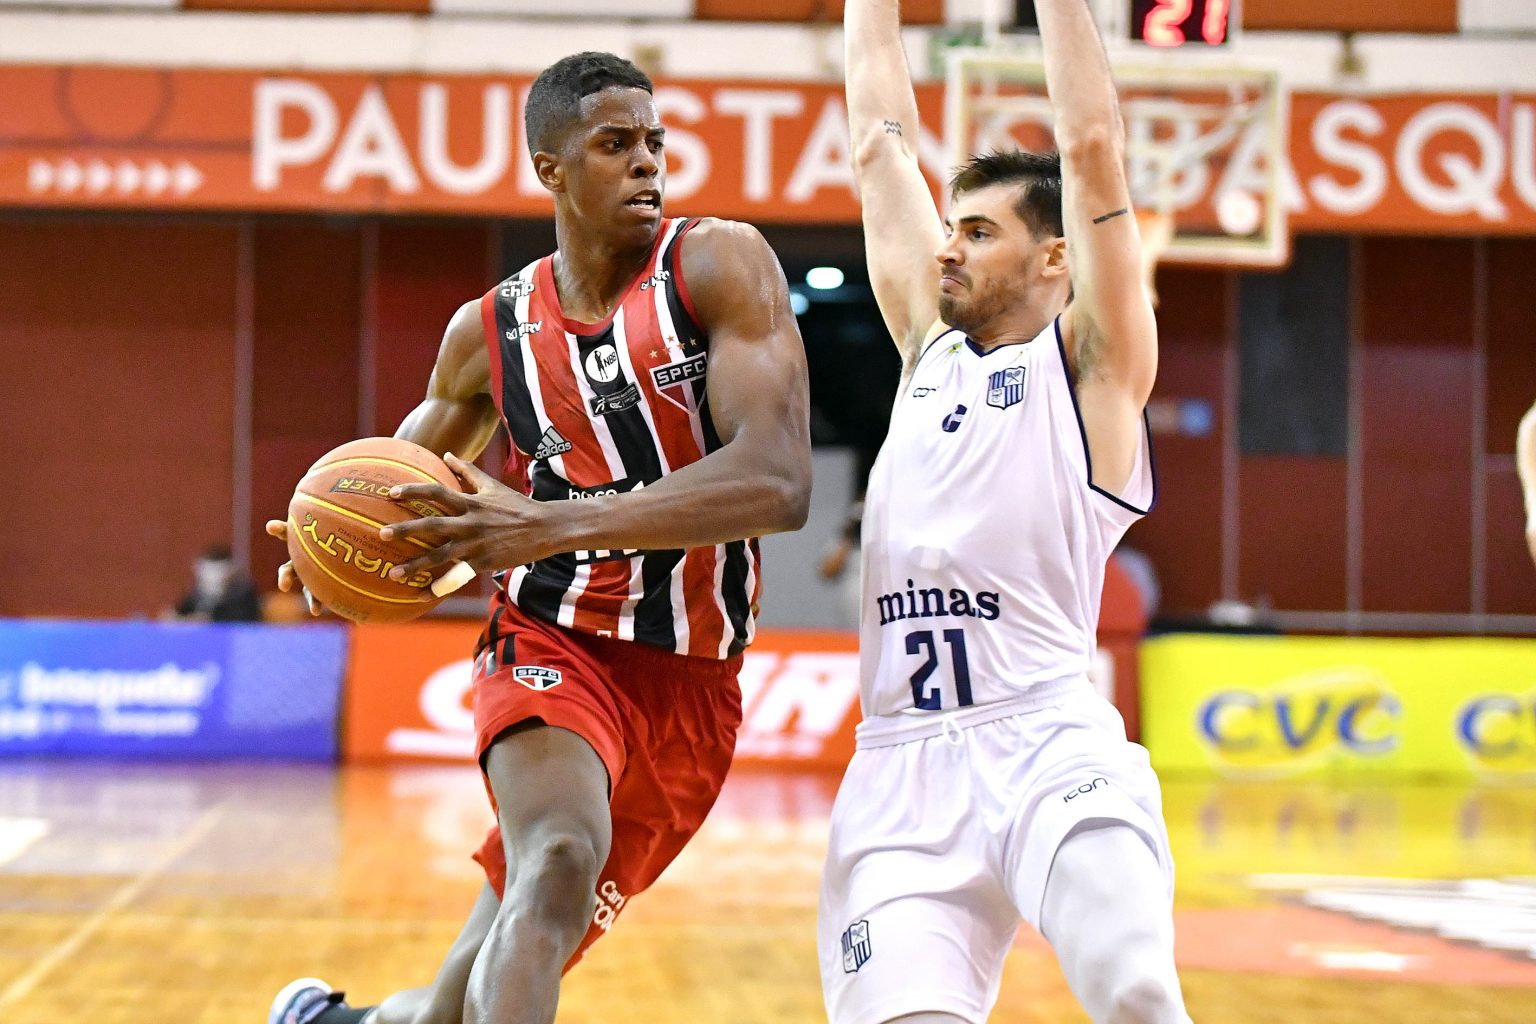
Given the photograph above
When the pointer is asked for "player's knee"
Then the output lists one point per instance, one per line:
(1145, 996)
(557, 882)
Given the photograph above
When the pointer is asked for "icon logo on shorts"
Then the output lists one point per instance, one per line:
(1087, 787)
(856, 947)
(536, 677)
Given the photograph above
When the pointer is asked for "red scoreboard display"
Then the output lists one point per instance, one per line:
(1181, 22)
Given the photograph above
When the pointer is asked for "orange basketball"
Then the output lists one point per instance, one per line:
(334, 521)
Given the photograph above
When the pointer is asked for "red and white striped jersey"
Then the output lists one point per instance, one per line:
(596, 409)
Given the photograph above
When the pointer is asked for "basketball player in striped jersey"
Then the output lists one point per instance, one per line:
(652, 381)
(991, 784)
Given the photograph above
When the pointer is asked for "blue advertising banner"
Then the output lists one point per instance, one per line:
(170, 689)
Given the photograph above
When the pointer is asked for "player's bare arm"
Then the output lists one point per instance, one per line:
(757, 483)
(1109, 330)
(902, 229)
(457, 415)
(1525, 461)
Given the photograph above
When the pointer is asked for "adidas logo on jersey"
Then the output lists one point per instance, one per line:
(551, 444)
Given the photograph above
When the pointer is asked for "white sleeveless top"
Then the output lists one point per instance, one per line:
(985, 537)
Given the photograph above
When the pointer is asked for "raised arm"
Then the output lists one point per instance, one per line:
(1110, 331)
(757, 482)
(1525, 462)
(902, 230)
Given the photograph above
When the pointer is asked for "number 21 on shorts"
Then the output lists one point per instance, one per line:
(922, 642)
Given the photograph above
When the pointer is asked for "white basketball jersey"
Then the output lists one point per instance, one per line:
(984, 540)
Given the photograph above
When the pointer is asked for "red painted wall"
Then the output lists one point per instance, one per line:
(117, 372)
(1416, 387)
(1183, 534)
(1292, 538)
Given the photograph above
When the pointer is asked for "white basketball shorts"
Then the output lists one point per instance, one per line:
(942, 840)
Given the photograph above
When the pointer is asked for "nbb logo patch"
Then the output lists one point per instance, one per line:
(1301, 721)
(1498, 732)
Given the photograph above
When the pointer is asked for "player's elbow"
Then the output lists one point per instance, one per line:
(787, 494)
(1096, 142)
(875, 147)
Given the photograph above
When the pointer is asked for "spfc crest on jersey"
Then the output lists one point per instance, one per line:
(671, 378)
(536, 677)
(1006, 387)
(856, 947)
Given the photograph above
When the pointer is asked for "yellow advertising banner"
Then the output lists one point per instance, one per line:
(1307, 706)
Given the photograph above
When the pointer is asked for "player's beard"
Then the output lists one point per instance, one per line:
(973, 309)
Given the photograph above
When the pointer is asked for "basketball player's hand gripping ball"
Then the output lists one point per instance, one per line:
(489, 526)
(332, 532)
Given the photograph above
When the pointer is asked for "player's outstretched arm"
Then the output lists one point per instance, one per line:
(757, 482)
(1525, 462)
(1110, 330)
(902, 230)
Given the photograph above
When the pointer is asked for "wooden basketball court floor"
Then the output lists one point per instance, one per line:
(187, 894)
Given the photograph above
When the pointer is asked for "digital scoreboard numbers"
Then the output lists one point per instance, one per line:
(1170, 23)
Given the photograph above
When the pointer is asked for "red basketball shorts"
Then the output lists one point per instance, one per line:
(664, 725)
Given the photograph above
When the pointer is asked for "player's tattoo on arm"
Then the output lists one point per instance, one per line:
(892, 127)
(1111, 215)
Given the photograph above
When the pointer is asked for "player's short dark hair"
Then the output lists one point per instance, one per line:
(1039, 203)
(554, 102)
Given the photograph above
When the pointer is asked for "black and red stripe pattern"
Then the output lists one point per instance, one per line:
(610, 407)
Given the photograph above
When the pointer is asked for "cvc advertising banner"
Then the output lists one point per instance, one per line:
(171, 690)
(1297, 706)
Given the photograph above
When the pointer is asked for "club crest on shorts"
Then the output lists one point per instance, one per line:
(1006, 387)
(856, 947)
(536, 677)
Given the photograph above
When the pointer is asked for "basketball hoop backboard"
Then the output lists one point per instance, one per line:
(1205, 139)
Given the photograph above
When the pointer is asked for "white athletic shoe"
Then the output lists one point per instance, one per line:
(302, 1001)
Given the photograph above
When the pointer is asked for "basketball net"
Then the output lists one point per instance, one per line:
(1205, 141)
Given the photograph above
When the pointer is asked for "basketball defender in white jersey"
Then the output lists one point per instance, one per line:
(990, 783)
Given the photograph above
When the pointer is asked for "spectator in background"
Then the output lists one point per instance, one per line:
(221, 591)
(1525, 461)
